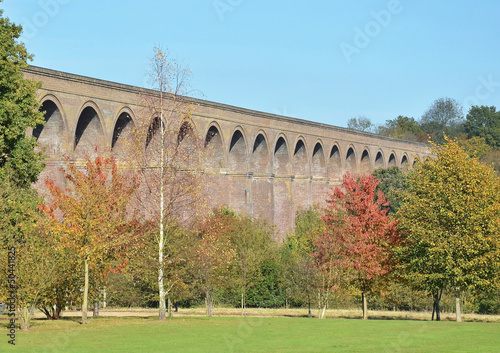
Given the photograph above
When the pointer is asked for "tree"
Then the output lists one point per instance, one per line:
(254, 246)
(169, 153)
(449, 224)
(475, 146)
(359, 236)
(402, 127)
(213, 254)
(19, 230)
(391, 182)
(483, 121)
(95, 224)
(18, 110)
(444, 117)
(301, 276)
(361, 124)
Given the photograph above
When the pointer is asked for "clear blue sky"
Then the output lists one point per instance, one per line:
(325, 61)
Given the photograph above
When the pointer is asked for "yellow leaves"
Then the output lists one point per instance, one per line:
(450, 217)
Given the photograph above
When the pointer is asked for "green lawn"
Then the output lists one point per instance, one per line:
(232, 334)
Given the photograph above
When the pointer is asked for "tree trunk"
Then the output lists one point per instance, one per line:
(95, 312)
(457, 306)
(435, 308)
(365, 306)
(208, 298)
(25, 318)
(309, 304)
(243, 304)
(161, 288)
(161, 241)
(85, 293)
(323, 312)
(169, 305)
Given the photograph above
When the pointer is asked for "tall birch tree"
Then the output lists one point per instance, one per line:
(168, 150)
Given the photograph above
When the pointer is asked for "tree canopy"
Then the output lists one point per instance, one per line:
(18, 109)
(483, 121)
(450, 222)
(359, 236)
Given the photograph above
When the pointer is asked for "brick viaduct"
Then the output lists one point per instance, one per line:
(264, 165)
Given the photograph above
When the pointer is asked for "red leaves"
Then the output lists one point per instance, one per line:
(359, 235)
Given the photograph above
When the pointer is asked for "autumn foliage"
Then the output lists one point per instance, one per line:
(359, 235)
(93, 222)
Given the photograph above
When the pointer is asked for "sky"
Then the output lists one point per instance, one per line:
(320, 60)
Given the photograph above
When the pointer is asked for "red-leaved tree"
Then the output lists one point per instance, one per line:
(359, 236)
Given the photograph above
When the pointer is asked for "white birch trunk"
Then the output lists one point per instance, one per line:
(457, 306)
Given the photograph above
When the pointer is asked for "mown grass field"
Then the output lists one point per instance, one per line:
(253, 334)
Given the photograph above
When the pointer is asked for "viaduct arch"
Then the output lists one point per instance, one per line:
(262, 164)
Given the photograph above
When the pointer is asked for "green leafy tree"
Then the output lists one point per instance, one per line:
(213, 254)
(254, 246)
(18, 109)
(391, 182)
(361, 124)
(449, 223)
(475, 146)
(19, 231)
(483, 121)
(301, 277)
(404, 128)
(444, 117)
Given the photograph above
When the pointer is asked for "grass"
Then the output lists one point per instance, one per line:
(254, 334)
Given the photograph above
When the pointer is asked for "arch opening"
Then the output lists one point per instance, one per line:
(51, 135)
(281, 160)
(365, 162)
(350, 161)
(379, 160)
(300, 159)
(237, 152)
(335, 163)
(392, 160)
(260, 155)
(318, 165)
(89, 135)
(215, 153)
(122, 134)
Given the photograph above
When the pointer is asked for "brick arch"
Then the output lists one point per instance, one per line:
(187, 131)
(391, 162)
(281, 156)
(153, 133)
(300, 162)
(335, 162)
(90, 131)
(260, 160)
(214, 144)
(405, 162)
(237, 152)
(364, 161)
(53, 136)
(189, 145)
(350, 160)
(318, 161)
(379, 160)
(123, 129)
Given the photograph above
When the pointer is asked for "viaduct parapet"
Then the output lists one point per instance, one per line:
(264, 165)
